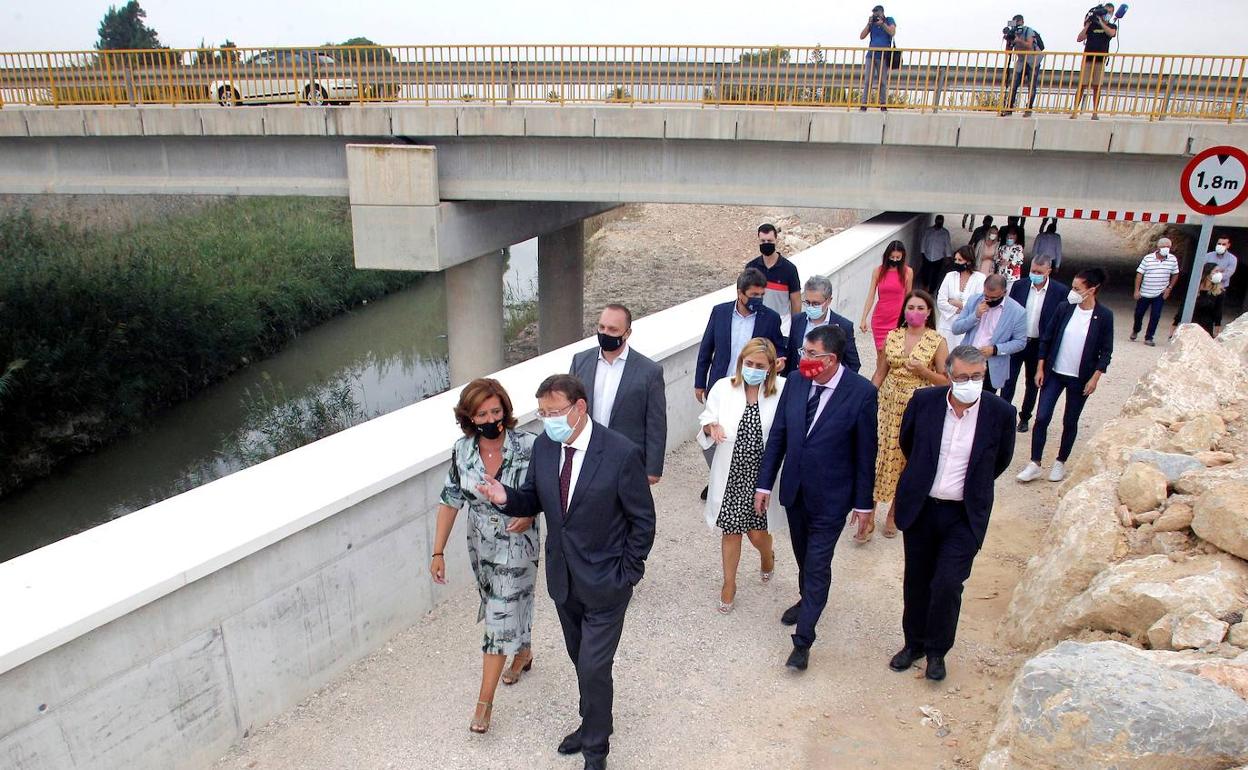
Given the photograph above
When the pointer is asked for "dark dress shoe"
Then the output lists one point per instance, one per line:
(571, 744)
(1022, 426)
(597, 763)
(799, 658)
(789, 618)
(935, 667)
(903, 660)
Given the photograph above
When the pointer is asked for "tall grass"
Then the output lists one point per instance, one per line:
(112, 326)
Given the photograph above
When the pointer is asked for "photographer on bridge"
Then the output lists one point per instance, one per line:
(880, 56)
(1098, 29)
(1027, 45)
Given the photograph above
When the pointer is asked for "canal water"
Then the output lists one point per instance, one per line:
(389, 354)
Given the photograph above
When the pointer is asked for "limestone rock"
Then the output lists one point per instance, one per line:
(1212, 459)
(1082, 706)
(1083, 538)
(1142, 487)
(1147, 517)
(1176, 517)
(1192, 374)
(1200, 433)
(1170, 543)
(1160, 635)
(1131, 596)
(1238, 635)
(1200, 629)
(1222, 517)
(1234, 337)
(1110, 448)
(1199, 482)
(1169, 463)
(1231, 673)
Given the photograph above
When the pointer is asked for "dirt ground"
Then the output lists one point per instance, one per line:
(695, 689)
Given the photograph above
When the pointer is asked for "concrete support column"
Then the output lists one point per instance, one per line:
(560, 286)
(475, 338)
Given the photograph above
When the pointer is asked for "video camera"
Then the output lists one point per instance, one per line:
(875, 18)
(1011, 31)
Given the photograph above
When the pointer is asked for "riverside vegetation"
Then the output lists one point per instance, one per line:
(102, 329)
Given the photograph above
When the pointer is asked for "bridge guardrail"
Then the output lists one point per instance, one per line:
(927, 80)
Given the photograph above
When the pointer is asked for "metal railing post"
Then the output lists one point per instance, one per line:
(939, 88)
(128, 74)
(512, 74)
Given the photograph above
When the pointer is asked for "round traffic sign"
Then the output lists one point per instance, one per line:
(1216, 180)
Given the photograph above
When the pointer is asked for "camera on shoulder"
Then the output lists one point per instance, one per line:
(1096, 11)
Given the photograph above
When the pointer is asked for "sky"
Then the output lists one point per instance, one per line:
(1214, 27)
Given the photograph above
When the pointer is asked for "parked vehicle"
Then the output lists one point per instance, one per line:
(285, 76)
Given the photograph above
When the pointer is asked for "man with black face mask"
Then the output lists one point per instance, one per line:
(625, 388)
(784, 285)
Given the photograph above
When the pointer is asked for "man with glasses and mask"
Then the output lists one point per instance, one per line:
(824, 433)
(957, 441)
(997, 326)
(591, 484)
(817, 311)
(625, 389)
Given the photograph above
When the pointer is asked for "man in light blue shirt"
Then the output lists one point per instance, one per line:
(875, 66)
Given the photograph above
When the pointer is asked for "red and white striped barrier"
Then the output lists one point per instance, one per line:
(1104, 214)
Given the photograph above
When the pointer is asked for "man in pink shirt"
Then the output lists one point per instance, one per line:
(957, 440)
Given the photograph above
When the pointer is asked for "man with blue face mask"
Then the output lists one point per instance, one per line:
(957, 441)
(591, 484)
(1040, 295)
(817, 311)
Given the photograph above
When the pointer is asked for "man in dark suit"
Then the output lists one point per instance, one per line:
(625, 389)
(590, 482)
(957, 440)
(817, 311)
(732, 324)
(1040, 295)
(825, 434)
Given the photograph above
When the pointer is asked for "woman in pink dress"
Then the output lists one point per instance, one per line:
(890, 283)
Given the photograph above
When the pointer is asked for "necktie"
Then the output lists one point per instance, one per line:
(565, 477)
(812, 405)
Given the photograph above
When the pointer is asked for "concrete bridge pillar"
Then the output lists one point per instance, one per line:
(474, 317)
(560, 286)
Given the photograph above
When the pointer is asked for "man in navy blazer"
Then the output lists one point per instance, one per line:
(817, 307)
(732, 324)
(825, 434)
(1040, 295)
(591, 484)
(957, 440)
(995, 324)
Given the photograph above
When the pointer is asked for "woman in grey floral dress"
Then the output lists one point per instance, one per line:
(503, 551)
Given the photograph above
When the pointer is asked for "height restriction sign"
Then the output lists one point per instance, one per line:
(1215, 181)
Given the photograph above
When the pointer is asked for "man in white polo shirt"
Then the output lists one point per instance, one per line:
(1154, 280)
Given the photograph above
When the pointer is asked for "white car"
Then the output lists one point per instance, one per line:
(285, 76)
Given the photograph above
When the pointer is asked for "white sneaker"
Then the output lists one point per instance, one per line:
(1030, 473)
(1058, 472)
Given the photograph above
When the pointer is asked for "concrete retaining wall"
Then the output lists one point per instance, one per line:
(160, 639)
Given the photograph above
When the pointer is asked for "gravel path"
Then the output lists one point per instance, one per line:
(695, 689)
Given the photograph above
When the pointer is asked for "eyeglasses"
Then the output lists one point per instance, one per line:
(968, 378)
(543, 415)
(809, 303)
(808, 354)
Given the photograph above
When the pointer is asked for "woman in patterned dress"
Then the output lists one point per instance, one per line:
(503, 551)
(890, 282)
(1010, 257)
(914, 357)
(738, 416)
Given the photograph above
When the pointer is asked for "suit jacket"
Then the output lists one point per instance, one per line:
(1054, 298)
(640, 407)
(602, 542)
(797, 335)
(922, 426)
(716, 347)
(833, 467)
(1098, 348)
(1010, 336)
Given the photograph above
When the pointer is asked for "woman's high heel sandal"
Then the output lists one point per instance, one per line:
(481, 724)
(512, 675)
(765, 574)
(890, 528)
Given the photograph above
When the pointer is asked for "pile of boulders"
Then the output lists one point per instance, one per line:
(1147, 553)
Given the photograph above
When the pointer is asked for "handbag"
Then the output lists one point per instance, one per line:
(894, 57)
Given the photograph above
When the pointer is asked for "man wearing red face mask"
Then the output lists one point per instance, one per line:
(825, 434)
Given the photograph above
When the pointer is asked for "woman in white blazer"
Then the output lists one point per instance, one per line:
(737, 419)
(960, 284)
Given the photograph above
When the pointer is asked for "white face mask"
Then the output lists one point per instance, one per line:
(1220, 249)
(1164, 251)
(992, 236)
(968, 392)
(1074, 297)
(1215, 278)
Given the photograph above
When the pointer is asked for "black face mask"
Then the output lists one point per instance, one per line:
(767, 249)
(895, 262)
(961, 267)
(490, 430)
(609, 343)
(994, 302)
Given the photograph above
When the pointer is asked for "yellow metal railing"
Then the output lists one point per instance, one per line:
(1142, 85)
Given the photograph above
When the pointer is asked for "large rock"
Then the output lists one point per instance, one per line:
(1230, 673)
(1083, 538)
(1170, 463)
(1194, 374)
(1238, 635)
(1199, 482)
(1108, 705)
(1200, 433)
(1222, 517)
(1175, 518)
(1109, 449)
(1200, 629)
(1142, 487)
(1160, 635)
(1234, 338)
(1130, 596)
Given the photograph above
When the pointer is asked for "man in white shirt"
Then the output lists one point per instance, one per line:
(1154, 280)
(935, 248)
